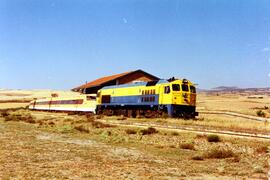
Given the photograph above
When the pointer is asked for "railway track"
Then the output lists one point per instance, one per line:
(235, 114)
(185, 128)
(198, 130)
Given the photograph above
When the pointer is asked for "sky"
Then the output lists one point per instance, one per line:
(60, 44)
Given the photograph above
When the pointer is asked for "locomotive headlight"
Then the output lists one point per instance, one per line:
(185, 81)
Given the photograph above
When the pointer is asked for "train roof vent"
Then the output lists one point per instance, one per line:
(172, 79)
(151, 83)
(185, 81)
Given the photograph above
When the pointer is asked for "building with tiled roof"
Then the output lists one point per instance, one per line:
(123, 78)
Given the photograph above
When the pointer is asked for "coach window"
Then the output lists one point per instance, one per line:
(105, 99)
(89, 98)
(176, 87)
(142, 92)
(167, 89)
(184, 87)
(192, 89)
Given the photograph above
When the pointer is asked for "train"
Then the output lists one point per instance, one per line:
(81, 103)
(172, 98)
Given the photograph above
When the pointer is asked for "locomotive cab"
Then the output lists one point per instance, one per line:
(181, 94)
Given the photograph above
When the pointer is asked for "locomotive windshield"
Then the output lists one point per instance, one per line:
(184, 87)
(192, 89)
(176, 87)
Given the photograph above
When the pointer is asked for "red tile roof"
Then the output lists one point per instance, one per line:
(102, 80)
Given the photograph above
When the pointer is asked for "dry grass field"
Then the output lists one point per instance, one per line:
(36, 145)
(235, 102)
(21, 98)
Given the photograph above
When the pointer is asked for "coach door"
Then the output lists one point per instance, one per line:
(105, 99)
(165, 94)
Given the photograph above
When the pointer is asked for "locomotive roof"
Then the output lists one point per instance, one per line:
(150, 83)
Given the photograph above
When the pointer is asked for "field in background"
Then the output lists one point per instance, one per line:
(21, 98)
(58, 145)
(246, 103)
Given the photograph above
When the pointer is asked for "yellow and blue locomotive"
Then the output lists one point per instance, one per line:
(175, 98)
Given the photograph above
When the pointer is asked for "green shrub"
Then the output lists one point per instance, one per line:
(201, 136)
(99, 116)
(260, 113)
(30, 120)
(20, 117)
(148, 131)
(4, 113)
(219, 153)
(121, 118)
(131, 131)
(71, 113)
(174, 133)
(90, 117)
(9, 118)
(258, 169)
(197, 157)
(213, 138)
(262, 149)
(187, 146)
(81, 128)
(97, 124)
(65, 129)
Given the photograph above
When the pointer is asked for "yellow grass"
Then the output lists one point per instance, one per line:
(57, 141)
(232, 102)
(30, 94)
(12, 105)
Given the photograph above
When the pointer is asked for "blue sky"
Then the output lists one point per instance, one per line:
(59, 44)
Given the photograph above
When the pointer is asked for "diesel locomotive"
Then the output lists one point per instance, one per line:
(174, 97)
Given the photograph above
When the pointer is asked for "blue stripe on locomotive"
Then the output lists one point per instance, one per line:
(136, 101)
(133, 100)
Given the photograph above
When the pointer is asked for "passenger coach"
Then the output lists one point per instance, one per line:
(82, 103)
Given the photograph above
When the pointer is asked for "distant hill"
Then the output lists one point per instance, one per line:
(226, 88)
(201, 90)
(235, 89)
